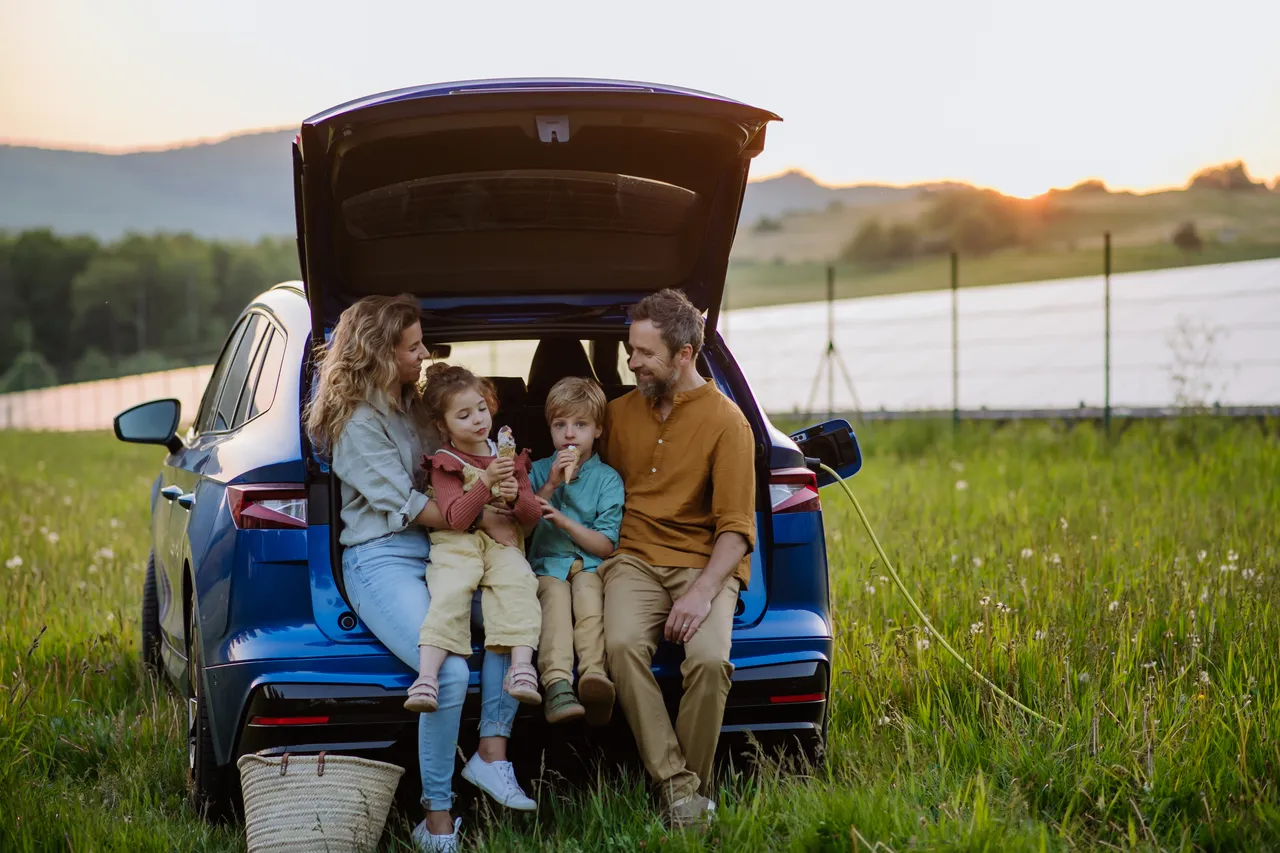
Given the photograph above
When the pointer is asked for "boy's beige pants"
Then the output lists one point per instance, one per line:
(572, 616)
(637, 602)
(461, 563)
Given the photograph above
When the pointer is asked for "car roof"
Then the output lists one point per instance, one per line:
(511, 84)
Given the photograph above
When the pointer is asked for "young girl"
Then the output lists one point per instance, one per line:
(466, 474)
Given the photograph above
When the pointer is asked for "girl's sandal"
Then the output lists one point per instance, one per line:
(522, 684)
(423, 695)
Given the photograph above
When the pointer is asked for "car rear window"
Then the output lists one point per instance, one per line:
(525, 199)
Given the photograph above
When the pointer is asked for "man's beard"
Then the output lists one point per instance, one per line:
(657, 387)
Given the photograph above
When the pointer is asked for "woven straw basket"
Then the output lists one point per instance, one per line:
(307, 803)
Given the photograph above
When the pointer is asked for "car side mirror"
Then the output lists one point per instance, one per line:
(155, 422)
(832, 444)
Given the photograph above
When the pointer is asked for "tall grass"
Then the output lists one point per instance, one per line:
(1126, 588)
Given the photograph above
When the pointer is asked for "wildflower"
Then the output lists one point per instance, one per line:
(1149, 665)
(93, 568)
(1056, 559)
(1202, 555)
(884, 721)
(1062, 522)
(1094, 538)
(871, 590)
(1083, 677)
(961, 485)
(1113, 607)
(1027, 553)
(1204, 677)
(985, 600)
(82, 586)
(1003, 608)
(14, 562)
(1247, 574)
(975, 628)
(53, 537)
(1228, 567)
(111, 617)
(105, 554)
(1040, 635)
(953, 559)
(977, 562)
(115, 522)
(1204, 594)
(882, 579)
(1232, 556)
(66, 501)
(957, 466)
(922, 644)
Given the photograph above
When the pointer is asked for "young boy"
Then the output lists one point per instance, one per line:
(582, 502)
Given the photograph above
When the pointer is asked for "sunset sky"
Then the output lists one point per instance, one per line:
(1020, 95)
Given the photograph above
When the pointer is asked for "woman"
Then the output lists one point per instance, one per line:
(366, 412)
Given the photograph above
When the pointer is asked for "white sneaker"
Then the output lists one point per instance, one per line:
(425, 842)
(498, 780)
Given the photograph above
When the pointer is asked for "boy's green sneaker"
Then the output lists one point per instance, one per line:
(561, 704)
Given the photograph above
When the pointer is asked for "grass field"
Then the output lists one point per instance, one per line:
(1125, 588)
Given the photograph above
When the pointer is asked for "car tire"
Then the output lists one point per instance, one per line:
(208, 785)
(150, 627)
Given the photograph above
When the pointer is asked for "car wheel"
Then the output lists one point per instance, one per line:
(151, 620)
(207, 783)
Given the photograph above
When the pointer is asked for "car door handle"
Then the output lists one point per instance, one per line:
(187, 501)
(171, 492)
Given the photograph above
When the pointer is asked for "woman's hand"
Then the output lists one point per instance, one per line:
(499, 469)
(509, 489)
(500, 526)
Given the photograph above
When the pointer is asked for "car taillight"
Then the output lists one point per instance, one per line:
(268, 506)
(794, 490)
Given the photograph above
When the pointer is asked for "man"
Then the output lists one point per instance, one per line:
(686, 456)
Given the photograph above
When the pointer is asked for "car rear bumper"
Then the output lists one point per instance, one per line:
(354, 704)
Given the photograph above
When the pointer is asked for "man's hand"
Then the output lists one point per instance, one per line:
(553, 515)
(687, 615)
(499, 469)
(509, 489)
(500, 526)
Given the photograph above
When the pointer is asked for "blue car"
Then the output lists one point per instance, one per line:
(532, 211)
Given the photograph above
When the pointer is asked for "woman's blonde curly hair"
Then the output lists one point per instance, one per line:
(359, 365)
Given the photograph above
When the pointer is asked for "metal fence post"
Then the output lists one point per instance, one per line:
(1106, 308)
(955, 341)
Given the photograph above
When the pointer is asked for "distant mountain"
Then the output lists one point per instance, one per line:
(241, 188)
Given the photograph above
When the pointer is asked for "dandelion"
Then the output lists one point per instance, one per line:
(14, 562)
(1247, 574)
(961, 485)
(922, 644)
(1062, 522)
(1232, 556)
(1027, 553)
(1094, 538)
(93, 569)
(1083, 677)
(115, 522)
(1228, 567)
(1113, 607)
(975, 628)
(882, 579)
(1003, 608)
(985, 600)
(1202, 555)
(1040, 635)
(105, 554)
(82, 586)
(871, 590)
(954, 558)
(977, 562)
(53, 537)
(1056, 559)
(1204, 677)
(1204, 594)
(883, 721)
(1149, 665)
(66, 501)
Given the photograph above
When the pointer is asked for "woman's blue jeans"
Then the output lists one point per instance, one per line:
(385, 585)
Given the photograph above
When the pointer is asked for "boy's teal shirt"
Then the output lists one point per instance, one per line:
(594, 499)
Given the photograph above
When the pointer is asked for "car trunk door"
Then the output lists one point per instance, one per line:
(462, 193)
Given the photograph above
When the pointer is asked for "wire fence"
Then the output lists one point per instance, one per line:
(1162, 340)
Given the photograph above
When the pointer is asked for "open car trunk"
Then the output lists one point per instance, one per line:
(547, 193)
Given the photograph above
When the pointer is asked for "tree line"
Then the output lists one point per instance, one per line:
(74, 309)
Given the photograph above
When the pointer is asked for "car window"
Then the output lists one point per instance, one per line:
(265, 392)
(209, 403)
(251, 383)
(224, 418)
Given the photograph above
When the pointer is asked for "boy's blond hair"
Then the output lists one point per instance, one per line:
(576, 395)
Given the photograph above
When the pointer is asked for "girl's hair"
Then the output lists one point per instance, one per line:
(359, 365)
(441, 382)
